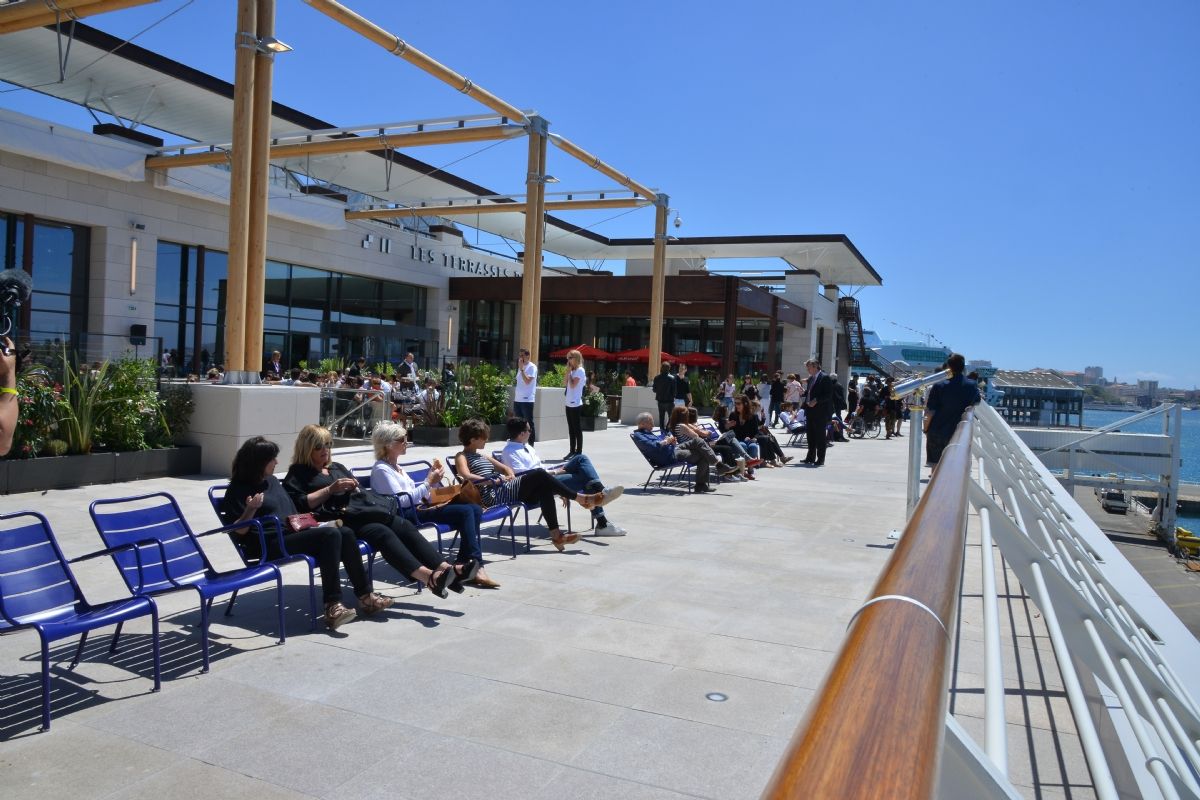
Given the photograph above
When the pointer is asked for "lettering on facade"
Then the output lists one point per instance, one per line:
(462, 263)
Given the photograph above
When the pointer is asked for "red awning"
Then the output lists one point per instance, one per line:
(642, 354)
(699, 360)
(586, 350)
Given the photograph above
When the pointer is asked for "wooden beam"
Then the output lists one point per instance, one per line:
(350, 144)
(658, 285)
(466, 210)
(36, 13)
(239, 193)
(256, 240)
(533, 182)
(595, 163)
(398, 47)
(538, 214)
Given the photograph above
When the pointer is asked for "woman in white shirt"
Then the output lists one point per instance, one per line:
(388, 477)
(573, 399)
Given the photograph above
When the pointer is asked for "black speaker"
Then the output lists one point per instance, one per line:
(137, 335)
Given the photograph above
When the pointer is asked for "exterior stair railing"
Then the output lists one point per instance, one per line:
(879, 726)
(860, 355)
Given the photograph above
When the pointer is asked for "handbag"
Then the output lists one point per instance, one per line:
(367, 506)
(442, 495)
(469, 493)
(301, 522)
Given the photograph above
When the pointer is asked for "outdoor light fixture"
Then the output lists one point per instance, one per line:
(678, 221)
(271, 45)
(550, 179)
(133, 265)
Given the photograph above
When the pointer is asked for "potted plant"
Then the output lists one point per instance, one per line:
(593, 414)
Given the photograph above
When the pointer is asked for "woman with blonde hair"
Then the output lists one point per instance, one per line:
(573, 387)
(388, 477)
(319, 484)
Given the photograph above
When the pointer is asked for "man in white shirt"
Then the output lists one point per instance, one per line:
(428, 396)
(577, 473)
(526, 391)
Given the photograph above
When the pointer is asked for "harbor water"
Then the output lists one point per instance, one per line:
(1189, 444)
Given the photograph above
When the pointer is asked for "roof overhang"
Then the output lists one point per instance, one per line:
(133, 83)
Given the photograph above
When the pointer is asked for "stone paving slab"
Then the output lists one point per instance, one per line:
(585, 675)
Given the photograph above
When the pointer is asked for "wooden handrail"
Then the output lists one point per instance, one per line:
(876, 726)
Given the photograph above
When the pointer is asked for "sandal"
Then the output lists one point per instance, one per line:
(563, 539)
(440, 582)
(469, 569)
(374, 602)
(336, 614)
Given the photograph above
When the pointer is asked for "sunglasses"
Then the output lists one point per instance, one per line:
(323, 446)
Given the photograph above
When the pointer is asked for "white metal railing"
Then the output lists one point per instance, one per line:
(1116, 643)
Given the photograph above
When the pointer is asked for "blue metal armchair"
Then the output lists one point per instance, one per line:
(166, 555)
(39, 592)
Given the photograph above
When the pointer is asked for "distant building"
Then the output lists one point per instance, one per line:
(1095, 374)
(1077, 378)
(1147, 393)
(1039, 398)
(978, 362)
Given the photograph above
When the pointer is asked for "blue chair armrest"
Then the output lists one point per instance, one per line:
(136, 547)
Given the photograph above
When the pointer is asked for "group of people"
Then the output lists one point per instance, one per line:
(322, 511)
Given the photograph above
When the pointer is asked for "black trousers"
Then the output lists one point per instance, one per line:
(664, 414)
(401, 545)
(575, 429)
(332, 547)
(541, 487)
(815, 429)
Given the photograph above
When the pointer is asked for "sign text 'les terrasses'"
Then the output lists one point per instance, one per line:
(462, 263)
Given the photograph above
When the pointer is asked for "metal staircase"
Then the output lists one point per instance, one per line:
(860, 354)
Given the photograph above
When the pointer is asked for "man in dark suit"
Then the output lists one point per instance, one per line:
(664, 394)
(818, 408)
(273, 369)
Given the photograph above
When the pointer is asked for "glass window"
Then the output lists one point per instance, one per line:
(310, 293)
(275, 293)
(359, 300)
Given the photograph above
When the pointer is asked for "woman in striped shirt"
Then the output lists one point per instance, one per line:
(499, 485)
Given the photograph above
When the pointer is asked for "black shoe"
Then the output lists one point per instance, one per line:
(808, 461)
(441, 584)
(470, 568)
(703, 488)
(819, 464)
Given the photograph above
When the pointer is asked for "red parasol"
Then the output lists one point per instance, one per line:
(586, 350)
(642, 354)
(700, 360)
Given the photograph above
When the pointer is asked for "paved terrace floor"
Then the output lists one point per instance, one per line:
(585, 676)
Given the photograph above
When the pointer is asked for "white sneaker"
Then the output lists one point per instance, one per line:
(611, 493)
(609, 530)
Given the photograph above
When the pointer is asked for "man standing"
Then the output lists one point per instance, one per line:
(683, 389)
(777, 389)
(408, 368)
(664, 394)
(273, 369)
(944, 409)
(526, 391)
(818, 408)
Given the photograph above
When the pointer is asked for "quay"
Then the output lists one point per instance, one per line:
(673, 662)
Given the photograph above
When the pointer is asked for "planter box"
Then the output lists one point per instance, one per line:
(448, 437)
(593, 423)
(67, 472)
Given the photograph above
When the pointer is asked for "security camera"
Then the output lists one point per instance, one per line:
(678, 221)
(137, 226)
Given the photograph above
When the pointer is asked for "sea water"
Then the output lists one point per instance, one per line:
(1189, 443)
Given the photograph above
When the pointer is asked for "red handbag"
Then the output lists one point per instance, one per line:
(301, 522)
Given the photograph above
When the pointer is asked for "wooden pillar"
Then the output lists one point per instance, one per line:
(260, 146)
(536, 337)
(239, 190)
(658, 284)
(535, 196)
(772, 345)
(729, 343)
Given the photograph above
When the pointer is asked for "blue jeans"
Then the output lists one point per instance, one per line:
(525, 411)
(581, 477)
(464, 518)
(727, 402)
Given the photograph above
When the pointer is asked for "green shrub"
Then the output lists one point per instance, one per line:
(38, 412)
(554, 378)
(595, 404)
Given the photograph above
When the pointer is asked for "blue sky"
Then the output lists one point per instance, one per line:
(1023, 175)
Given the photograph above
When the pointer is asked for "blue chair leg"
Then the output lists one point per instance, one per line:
(232, 600)
(205, 606)
(155, 645)
(312, 594)
(116, 640)
(79, 650)
(279, 604)
(45, 682)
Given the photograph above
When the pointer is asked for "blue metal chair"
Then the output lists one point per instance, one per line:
(39, 592)
(527, 507)
(417, 470)
(506, 514)
(166, 555)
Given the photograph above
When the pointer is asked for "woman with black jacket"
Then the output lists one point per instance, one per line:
(318, 484)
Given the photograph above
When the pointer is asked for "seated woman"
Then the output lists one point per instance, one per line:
(254, 492)
(388, 477)
(725, 445)
(324, 487)
(683, 432)
(768, 445)
(747, 425)
(792, 417)
(498, 485)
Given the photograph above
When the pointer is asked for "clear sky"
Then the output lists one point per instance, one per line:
(1024, 175)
